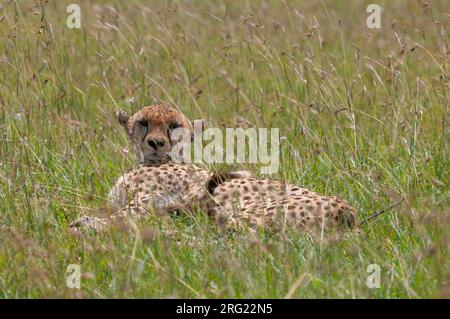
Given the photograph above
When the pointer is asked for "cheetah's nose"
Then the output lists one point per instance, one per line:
(156, 143)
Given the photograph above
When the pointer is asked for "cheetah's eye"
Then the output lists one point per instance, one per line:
(143, 122)
(174, 125)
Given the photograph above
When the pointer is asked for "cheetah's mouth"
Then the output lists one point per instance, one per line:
(155, 157)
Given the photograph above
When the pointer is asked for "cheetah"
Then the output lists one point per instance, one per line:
(263, 203)
(234, 199)
(158, 184)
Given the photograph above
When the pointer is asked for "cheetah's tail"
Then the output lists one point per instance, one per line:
(375, 215)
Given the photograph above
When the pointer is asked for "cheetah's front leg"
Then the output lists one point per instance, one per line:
(89, 223)
(96, 224)
(137, 208)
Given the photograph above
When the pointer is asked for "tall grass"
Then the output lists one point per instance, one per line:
(364, 112)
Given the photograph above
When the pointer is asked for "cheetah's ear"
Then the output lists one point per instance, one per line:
(123, 118)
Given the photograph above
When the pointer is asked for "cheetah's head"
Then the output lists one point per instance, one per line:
(151, 131)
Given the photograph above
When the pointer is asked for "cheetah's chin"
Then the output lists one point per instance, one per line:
(164, 158)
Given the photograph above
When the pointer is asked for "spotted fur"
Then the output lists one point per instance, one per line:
(233, 199)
